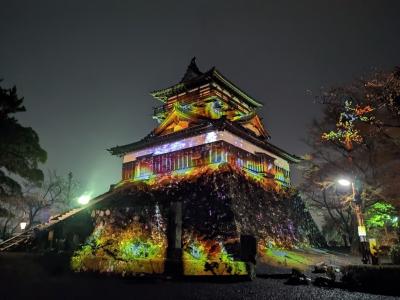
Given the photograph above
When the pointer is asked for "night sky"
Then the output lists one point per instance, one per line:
(86, 68)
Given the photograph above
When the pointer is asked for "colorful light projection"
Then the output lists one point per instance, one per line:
(346, 132)
(129, 244)
(185, 143)
(280, 257)
(202, 139)
(212, 107)
(211, 137)
(215, 109)
(123, 245)
(209, 258)
(190, 110)
(213, 160)
(181, 157)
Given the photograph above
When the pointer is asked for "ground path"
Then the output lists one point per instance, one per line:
(25, 277)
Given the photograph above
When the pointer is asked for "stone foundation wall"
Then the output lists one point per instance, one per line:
(138, 228)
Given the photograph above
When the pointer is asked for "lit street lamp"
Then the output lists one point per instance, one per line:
(344, 182)
(362, 233)
(22, 225)
(84, 199)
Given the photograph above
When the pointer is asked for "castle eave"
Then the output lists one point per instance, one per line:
(153, 140)
(212, 75)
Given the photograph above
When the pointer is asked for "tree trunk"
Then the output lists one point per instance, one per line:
(4, 233)
(355, 241)
(345, 240)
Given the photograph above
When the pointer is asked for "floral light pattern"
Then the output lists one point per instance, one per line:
(346, 132)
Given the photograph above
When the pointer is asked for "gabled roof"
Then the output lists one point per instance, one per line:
(192, 71)
(193, 78)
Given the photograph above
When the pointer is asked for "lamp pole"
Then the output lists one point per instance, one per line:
(22, 225)
(356, 199)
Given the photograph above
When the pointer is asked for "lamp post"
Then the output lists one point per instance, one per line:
(362, 233)
(22, 225)
(84, 199)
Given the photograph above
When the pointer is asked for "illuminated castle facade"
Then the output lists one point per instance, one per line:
(205, 120)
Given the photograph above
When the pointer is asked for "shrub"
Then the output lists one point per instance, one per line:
(375, 279)
(395, 254)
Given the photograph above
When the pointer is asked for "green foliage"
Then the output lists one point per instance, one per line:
(381, 215)
(20, 151)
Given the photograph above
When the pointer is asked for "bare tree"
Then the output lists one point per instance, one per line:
(36, 198)
(12, 214)
(56, 193)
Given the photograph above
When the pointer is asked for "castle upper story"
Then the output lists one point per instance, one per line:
(205, 120)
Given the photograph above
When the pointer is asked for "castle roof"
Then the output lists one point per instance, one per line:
(193, 77)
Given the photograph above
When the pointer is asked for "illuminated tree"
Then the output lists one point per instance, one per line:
(382, 221)
(381, 215)
(358, 136)
(346, 131)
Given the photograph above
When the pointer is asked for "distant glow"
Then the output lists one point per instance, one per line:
(395, 219)
(22, 225)
(84, 199)
(344, 182)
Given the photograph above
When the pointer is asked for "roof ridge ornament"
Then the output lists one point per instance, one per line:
(192, 71)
